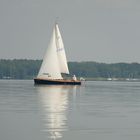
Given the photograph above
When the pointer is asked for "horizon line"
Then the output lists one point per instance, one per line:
(82, 61)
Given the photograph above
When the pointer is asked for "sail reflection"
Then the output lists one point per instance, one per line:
(54, 100)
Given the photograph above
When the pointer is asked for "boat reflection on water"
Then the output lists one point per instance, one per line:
(54, 103)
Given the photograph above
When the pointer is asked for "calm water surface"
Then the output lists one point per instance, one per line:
(93, 111)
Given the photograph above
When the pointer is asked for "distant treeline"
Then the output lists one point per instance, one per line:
(27, 69)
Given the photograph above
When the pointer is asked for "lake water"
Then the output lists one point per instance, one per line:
(93, 111)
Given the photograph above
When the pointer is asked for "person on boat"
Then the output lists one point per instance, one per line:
(74, 78)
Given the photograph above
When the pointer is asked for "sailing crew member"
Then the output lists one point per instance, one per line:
(74, 78)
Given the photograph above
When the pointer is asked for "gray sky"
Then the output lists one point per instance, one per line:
(92, 30)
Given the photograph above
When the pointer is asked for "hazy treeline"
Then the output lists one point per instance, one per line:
(27, 69)
(19, 69)
(116, 70)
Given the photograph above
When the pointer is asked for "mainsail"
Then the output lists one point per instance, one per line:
(61, 52)
(54, 62)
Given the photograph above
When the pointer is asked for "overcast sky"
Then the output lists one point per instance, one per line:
(92, 30)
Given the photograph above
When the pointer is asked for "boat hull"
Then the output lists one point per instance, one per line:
(56, 82)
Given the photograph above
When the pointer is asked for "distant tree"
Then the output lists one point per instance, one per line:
(27, 69)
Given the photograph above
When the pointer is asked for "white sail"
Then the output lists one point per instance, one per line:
(50, 68)
(61, 52)
(54, 62)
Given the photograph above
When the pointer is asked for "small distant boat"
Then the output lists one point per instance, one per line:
(55, 63)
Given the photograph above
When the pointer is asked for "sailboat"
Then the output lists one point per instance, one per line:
(55, 63)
